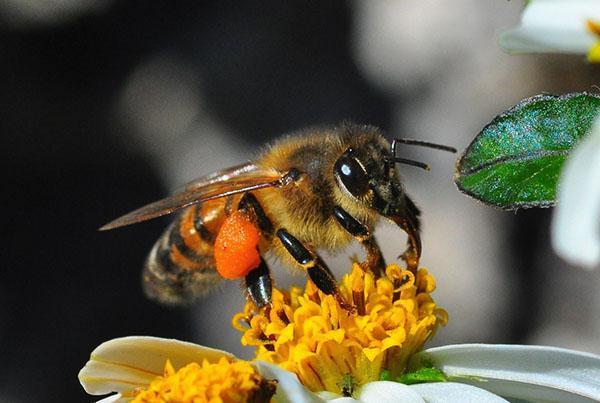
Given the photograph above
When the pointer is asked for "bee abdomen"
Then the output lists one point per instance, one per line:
(181, 265)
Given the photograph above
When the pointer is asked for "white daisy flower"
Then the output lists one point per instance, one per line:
(131, 366)
(576, 220)
(557, 26)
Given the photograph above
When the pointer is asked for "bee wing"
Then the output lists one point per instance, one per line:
(241, 170)
(237, 179)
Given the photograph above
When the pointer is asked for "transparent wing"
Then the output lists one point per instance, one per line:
(221, 176)
(237, 179)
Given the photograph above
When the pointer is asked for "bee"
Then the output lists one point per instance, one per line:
(317, 188)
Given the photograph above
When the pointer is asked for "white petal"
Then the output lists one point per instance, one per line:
(522, 372)
(441, 392)
(330, 396)
(388, 392)
(553, 26)
(114, 399)
(289, 388)
(576, 220)
(120, 365)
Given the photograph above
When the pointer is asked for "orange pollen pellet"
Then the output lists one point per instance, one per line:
(236, 246)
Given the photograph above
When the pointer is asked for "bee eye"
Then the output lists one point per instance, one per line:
(352, 175)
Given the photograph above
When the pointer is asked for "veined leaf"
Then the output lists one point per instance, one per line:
(515, 161)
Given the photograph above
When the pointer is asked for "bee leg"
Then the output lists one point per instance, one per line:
(249, 203)
(375, 262)
(259, 285)
(318, 272)
(258, 282)
(411, 225)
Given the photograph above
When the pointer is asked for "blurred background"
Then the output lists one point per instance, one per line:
(108, 105)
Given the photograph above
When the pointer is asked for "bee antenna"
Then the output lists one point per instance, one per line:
(421, 143)
(410, 162)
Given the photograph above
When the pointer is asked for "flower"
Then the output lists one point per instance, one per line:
(475, 373)
(310, 350)
(557, 26)
(519, 372)
(490, 373)
(327, 347)
(575, 224)
(151, 369)
(235, 381)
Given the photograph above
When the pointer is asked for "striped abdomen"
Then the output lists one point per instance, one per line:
(181, 265)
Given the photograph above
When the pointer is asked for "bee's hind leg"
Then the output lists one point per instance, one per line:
(250, 204)
(375, 262)
(258, 282)
(318, 272)
(259, 285)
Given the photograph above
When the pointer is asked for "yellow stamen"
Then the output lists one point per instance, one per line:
(308, 333)
(593, 55)
(593, 27)
(224, 381)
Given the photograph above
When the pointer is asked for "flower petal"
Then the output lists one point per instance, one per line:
(523, 372)
(388, 392)
(334, 397)
(575, 224)
(122, 364)
(116, 398)
(289, 388)
(553, 26)
(441, 392)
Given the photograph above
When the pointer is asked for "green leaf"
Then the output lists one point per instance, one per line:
(515, 161)
(422, 375)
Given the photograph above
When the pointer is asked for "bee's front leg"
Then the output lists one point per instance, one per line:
(318, 272)
(375, 262)
(410, 223)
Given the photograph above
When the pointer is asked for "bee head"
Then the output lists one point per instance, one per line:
(366, 172)
(367, 175)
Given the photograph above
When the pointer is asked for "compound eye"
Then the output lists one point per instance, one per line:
(352, 175)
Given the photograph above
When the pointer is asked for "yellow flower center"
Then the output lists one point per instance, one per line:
(593, 55)
(224, 381)
(329, 348)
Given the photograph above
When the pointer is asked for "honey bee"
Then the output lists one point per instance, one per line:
(318, 188)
